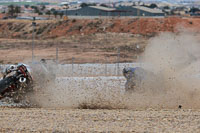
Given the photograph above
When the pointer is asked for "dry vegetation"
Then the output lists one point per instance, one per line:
(22, 29)
(97, 48)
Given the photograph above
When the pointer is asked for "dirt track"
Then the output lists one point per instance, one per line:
(63, 120)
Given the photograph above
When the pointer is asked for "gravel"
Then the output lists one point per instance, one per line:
(76, 120)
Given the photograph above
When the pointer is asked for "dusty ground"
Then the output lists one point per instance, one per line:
(76, 120)
(98, 48)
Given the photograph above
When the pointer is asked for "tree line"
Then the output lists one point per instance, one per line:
(13, 11)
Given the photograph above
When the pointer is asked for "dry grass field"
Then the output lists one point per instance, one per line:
(98, 48)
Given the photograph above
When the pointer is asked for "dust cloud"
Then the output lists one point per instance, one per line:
(173, 60)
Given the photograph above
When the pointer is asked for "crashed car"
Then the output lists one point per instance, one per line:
(16, 81)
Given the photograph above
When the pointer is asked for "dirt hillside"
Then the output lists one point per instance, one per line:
(47, 29)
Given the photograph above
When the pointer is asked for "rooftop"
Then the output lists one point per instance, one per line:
(148, 9)
(103, 8)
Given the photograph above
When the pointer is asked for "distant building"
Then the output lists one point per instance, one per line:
(90, 11)
(70, 2)
(119, 11)
(3, 9)
(139, 11)
(145, 11)
(179, 11)
(195, 14)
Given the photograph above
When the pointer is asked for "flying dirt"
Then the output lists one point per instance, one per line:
(171, 79)
(172, 63)
(171, 73)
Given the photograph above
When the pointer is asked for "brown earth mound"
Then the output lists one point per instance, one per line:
(49, 29)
